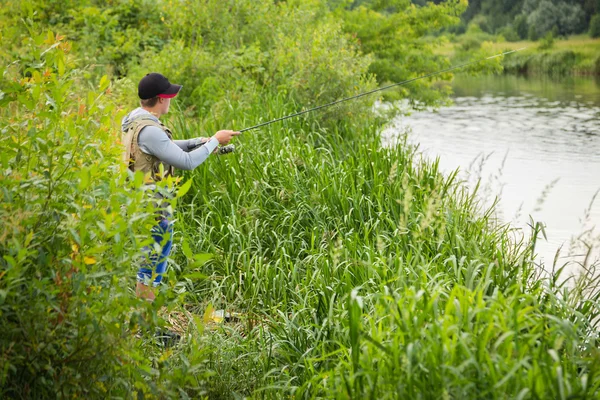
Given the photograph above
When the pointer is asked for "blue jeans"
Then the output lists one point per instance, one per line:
(157, 262)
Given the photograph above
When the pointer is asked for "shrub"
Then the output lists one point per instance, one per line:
(470, 43)
(72, 229)
(304, 57)
(480, 21)
(547, 42)
(509, 33)
(457, 29)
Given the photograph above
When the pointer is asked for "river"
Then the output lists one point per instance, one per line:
(535, 143)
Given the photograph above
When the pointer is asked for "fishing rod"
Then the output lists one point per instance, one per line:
(230, 148)
(377, 90)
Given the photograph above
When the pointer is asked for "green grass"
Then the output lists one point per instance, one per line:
(365, 272)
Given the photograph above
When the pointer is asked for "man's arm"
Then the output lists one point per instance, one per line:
(153, 140)
(191, 144)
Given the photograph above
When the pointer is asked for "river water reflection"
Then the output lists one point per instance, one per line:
(534, 142)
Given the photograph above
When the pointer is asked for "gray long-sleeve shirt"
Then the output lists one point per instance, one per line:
(181, 154)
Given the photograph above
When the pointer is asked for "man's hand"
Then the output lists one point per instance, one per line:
(225, 136)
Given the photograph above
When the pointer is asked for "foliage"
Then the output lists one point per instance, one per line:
(366, 271)
(394, 32)
(355, 270)
(573, 56)
(546, 15)
(547, 42)
(595, 26)
(107, 35)
(236, 61)
(73, 225)
(568, 17)
(556, 63)
(521, 26)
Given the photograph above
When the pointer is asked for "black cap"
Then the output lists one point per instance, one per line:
(155, 84)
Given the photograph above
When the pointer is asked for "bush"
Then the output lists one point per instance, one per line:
(480, 21)
(73, 227)
(547, 42)
(304, 57)
(457, 29)
(402, 39)
(470, 43)
(57, 187)
(510, 34)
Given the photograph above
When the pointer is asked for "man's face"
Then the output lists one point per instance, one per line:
(165, 103)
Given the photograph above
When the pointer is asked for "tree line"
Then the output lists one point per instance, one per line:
(533, 19)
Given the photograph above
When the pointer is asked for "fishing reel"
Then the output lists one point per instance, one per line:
(230, 148)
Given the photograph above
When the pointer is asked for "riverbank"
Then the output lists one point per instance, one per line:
(577, 55)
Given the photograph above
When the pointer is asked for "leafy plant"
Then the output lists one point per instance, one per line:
(74, 226)
(547, 42)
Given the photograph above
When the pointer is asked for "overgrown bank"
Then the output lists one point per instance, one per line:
(357, 270)
(576, 55)
(561, 36)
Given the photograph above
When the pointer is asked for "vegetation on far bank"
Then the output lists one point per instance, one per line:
(562, 37)
(354, 270)
(575, 55)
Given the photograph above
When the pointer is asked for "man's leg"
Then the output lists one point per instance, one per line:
(156, 263)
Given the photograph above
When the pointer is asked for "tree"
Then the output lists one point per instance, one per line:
(395, 32)
(520, 26)
(595, 26)
(546, 15)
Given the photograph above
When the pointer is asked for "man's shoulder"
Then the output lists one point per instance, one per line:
(149, 125)
(152, 129)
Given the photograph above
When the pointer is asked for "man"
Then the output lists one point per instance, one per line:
(150, 148)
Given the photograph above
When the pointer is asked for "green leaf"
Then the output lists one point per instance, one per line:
(184, 188)
(202, 258)
(84, 177)
(185, 247)
(104, 82)
(194, 276)
(26, 101)
(10, 260)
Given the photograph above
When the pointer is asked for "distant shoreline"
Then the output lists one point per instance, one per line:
(576, 55)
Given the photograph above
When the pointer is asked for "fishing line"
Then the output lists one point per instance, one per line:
(378, 90)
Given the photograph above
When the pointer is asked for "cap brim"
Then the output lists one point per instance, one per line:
(170, 92)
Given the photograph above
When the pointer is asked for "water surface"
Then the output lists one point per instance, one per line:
(534, 142)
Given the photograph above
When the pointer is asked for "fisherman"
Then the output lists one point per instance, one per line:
(150, 148)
